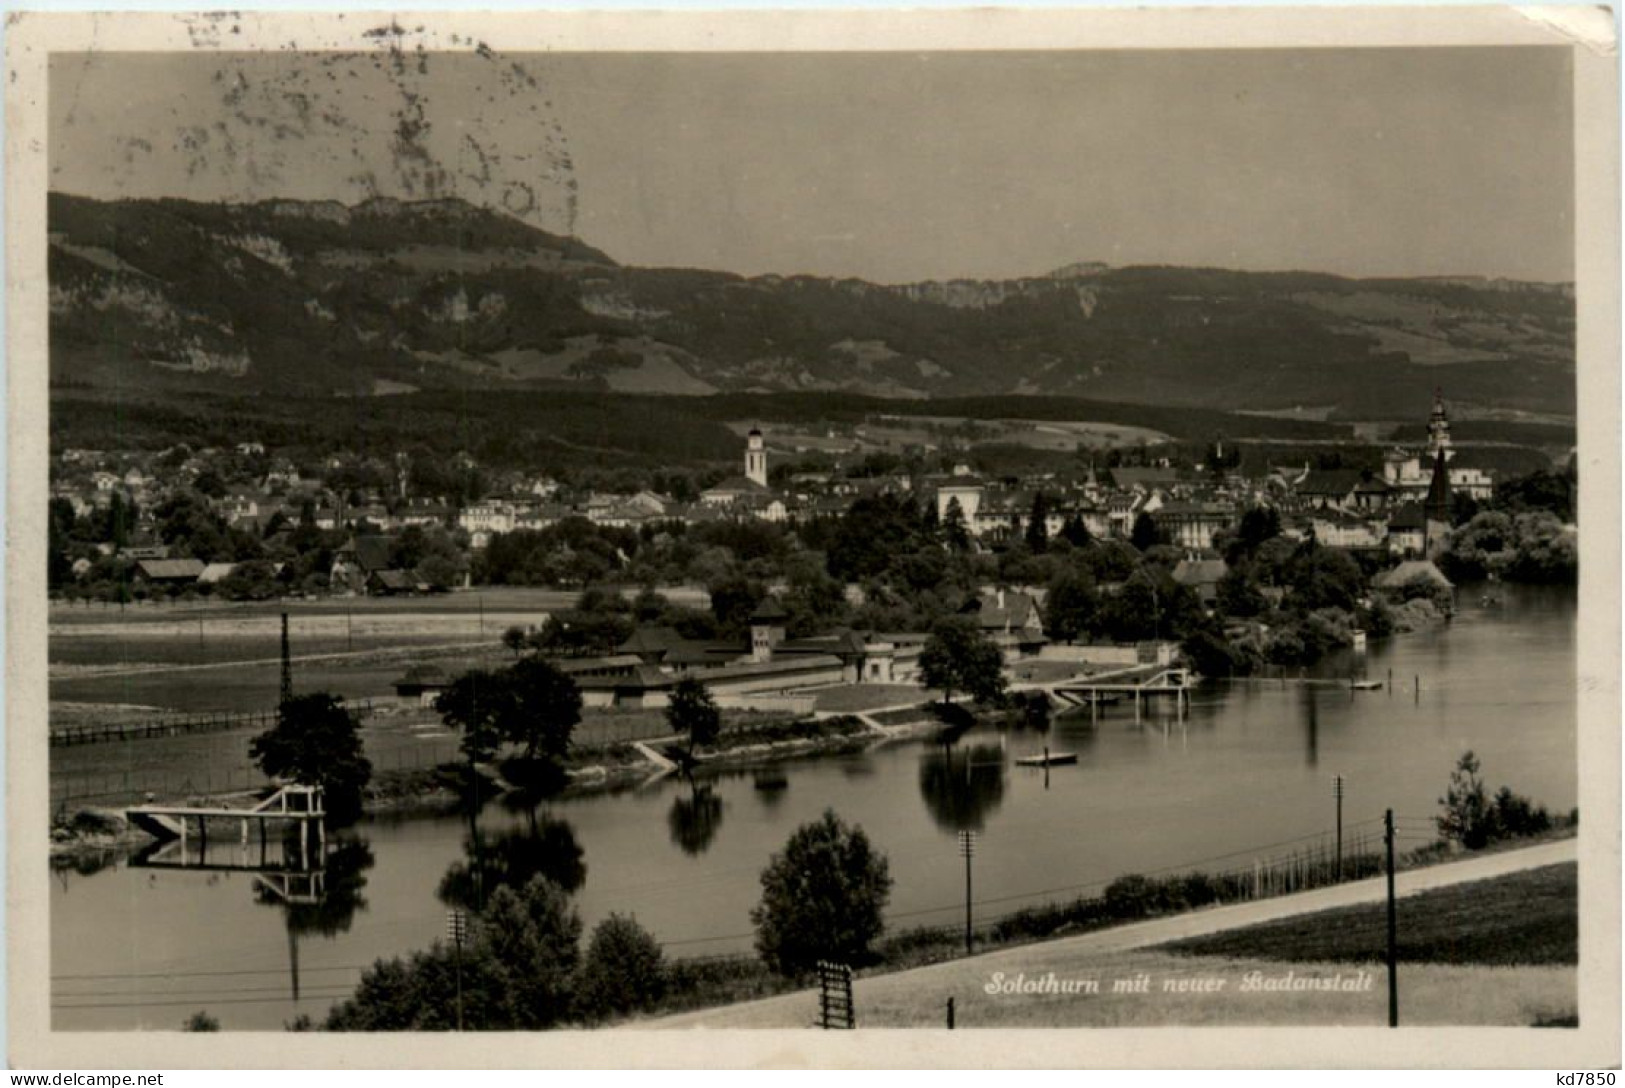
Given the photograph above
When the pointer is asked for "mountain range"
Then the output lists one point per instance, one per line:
(392, 297)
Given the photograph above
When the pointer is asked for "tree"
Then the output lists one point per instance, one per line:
(1075, 532)
(477, 705)
(316, 742)
(1071, 606)
(1550, 491)
(733, 598)
(648, 605)
(875, 529)
(517, 975)
(1239, 595)
(692, 713)
(1145, 533)
(1466, 815)
(823, 898)
(624, 969)
(958, 657)
(1325, 578)
(1258, 524)
(1037, 536)
(514, 639)
(532, 940)
(201, 1021)
(545, 709)
(254, 580)
(582, 634)
(954, 532)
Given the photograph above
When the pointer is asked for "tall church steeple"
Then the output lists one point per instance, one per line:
(1438, 429)
(755, 458)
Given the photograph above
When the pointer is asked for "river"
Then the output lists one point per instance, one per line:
(1250, 766)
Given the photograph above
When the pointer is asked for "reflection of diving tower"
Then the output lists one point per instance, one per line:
(755, 458)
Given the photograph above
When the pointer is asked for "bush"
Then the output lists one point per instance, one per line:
(1475, 821)
(517, 975)
(1513, 816)
(1132, 896)
(624, 970)
(201, 1021)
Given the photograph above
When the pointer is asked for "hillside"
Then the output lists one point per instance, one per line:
(392, 297)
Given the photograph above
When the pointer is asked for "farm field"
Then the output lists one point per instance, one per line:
(492, 600)
(253, 687)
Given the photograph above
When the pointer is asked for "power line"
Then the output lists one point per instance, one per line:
(194, 1003)
(205, 974)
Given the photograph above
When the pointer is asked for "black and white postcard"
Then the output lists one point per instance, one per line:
(814, 538)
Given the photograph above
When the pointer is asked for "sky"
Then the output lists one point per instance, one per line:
(892, 167)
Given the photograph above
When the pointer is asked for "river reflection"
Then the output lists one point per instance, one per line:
(509, 858)
(695, 818)
(1250, 765)
(321, 902)
(962, 784)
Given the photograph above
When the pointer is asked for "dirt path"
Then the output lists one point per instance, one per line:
(1073, 953)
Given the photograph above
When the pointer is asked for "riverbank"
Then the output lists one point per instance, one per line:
(94, 831)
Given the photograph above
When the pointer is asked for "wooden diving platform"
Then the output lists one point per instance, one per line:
(1140, 684)
(301, 806)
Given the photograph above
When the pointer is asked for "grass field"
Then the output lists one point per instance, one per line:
(851, 699)
(1179, 991)
(1210, 990)
(1529, 918)
(252, 687)
(77, 655)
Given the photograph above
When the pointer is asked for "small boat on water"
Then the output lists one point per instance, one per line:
(1048, 759)
(1365, 685)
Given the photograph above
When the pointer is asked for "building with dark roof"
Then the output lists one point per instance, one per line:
(169, 571)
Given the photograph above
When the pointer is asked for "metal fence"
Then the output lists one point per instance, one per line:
(174, 725)
(213, 773)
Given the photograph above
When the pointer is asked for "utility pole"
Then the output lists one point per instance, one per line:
(1393, 939)
(967, 848)
(457, 930)
(287, 664)
(1337, 792)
